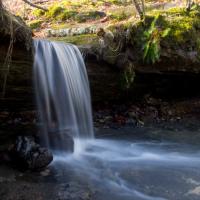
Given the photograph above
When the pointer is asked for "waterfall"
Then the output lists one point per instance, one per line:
(62, 94)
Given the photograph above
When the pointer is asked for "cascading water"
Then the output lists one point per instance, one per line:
(63, 95)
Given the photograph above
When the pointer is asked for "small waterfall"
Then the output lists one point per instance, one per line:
(63, 94)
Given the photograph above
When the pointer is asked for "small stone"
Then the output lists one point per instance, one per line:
(45, 172)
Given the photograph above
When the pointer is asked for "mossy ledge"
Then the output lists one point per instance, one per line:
(179, 49)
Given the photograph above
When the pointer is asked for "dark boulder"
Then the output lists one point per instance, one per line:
(28, 154)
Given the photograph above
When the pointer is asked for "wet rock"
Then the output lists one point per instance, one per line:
(31, 155)
(61, 141)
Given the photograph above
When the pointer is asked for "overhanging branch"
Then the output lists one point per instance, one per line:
(36, 6)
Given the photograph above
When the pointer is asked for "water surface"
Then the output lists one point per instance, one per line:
(124, 168)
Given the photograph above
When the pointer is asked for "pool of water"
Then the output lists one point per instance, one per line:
(127, 168)
(114, 167)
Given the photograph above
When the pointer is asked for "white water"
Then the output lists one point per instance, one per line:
(126, 170)
(63, 94)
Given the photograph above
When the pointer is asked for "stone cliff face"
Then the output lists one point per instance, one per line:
(15, 53)
(105, 74)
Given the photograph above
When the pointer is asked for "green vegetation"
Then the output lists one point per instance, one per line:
(54, 11)
(83, 11)
(38, 12)
(152, 38)
(35, 24)
(66, 15)
(184, 25)
(174, 29)
(160, 33)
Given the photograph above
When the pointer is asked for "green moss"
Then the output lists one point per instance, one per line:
(54, 11)
(66, 15)
(79, 39)
(185, 26)
(35, 24)
(184, 30)
(38, 12)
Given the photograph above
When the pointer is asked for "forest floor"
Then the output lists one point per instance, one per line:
(83, 14)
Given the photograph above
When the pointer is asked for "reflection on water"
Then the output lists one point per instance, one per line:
(131, 170)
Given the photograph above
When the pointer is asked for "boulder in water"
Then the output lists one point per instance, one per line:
(30, 154)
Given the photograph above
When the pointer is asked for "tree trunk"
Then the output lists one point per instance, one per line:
(140, 8)
(189, 5)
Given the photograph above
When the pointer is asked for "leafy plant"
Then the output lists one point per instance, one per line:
(152, 38)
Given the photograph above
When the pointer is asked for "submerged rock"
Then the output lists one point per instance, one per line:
(31, 155)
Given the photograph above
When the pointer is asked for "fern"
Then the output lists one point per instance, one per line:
(152, 38)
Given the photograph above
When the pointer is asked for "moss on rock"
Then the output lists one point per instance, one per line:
(184, 30)
(184, 26)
